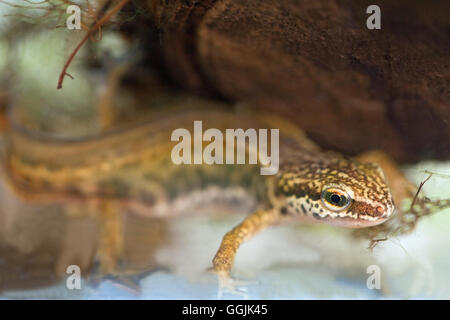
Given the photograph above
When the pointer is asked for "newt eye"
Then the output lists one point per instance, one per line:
(335, 199)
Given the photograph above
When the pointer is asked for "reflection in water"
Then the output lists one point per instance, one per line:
(39, 241)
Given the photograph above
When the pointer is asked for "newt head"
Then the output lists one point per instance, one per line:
(337, 191)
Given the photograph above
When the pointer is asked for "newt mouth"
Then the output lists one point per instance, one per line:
(352, 223)
(360, 219)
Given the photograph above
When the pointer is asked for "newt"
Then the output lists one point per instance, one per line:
(130, 167)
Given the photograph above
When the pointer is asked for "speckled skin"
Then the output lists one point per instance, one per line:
(304, 177)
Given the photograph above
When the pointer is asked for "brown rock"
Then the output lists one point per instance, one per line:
(352, 89)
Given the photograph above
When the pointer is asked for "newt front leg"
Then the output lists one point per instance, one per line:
(224, 258)
(251, 225)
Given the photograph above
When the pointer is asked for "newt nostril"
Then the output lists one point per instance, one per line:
(380, 209)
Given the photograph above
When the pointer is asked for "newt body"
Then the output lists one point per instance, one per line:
(132, 167)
